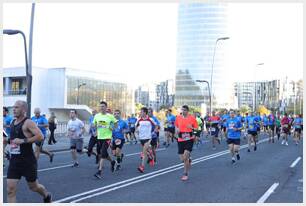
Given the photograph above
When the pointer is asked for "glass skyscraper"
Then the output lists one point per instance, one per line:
(199, 26)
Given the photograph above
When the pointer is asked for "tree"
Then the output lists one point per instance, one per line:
(244, 109)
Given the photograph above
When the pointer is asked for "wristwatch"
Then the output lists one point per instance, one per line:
(25, 140)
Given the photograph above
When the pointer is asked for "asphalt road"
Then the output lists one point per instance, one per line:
(212, 179)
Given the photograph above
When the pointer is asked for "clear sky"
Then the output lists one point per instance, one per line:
(138, 40)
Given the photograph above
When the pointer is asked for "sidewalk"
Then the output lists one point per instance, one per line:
(62, 144)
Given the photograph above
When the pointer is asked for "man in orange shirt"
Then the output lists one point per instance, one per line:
(184, 124)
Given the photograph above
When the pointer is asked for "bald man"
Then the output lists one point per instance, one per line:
(23, 162)
(42, 124)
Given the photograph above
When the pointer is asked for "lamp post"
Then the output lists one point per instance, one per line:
(28, 72)
(79, 86)
(212, 65)
(204, 81)
(255, 85)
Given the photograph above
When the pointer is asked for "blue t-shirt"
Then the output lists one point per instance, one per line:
(132, 121)
(154, 134)
(92, 130)
(225, 117)
(118, 132)
(265, 120)
(240, 118)
(298, 122)
(252, 123)
(232, 123)
(7, 120)
(170, 121)
(41, 120)
(271, 120)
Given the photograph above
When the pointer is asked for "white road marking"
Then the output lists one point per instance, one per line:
(295, 162)
(141, 178)
(268, 193)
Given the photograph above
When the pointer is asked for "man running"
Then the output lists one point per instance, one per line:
(278, 126)
(184, 124)
(93, 137)
(265, 122)
(271, 125)
(214, 122)
(105, 123)
(252, 125)
(198, 131)
(170, 119)
(42, 124)
(234, 127)
(7, 120)
(132, 122)
(155, 134)
(207, 125)
(224, 118)
(297, 128)
(144, 128)
(285, 129)
(75, 131)
(23, 162)
(118, 138)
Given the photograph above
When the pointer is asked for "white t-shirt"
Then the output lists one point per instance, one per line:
(74, 128)
(145, 128)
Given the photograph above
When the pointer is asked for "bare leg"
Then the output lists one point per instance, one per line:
(11, 190)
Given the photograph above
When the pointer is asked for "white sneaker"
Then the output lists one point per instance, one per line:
(283, 142)
(286, 143)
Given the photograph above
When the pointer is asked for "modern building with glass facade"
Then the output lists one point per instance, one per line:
(199, 26)
(61, 89)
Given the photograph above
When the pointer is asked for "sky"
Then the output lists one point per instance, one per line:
(138, 40)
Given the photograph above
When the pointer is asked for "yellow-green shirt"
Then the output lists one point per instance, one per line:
(104, 123)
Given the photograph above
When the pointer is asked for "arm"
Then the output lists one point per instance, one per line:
(34, 130)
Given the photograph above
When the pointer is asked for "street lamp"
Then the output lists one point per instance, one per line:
(255, 85)
(212, 66)
(208, 92)
(28, 72)
(79, 86)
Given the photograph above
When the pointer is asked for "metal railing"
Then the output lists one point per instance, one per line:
(15, 92)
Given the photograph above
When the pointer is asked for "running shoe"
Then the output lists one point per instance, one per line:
(184, 178)
(141, 169)
(98, 175)
(238, 156)
(75, 164)
(48, 199)
(51, 158)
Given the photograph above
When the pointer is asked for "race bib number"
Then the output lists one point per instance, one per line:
(231, 126)
(14, 149)
(213, 129)
(186, 136)
(285, 125)
(132, 125)
(251, 126)
(117, 141)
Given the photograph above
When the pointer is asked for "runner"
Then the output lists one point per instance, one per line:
(197, 132)
(234, 128)
(265, 122)
(132, 121)
(118, 138)
(75, 131)
(105, 123)
(271, 125)
(93, 138)
(259, 125)
(278, 126)
(170, 119)
(42, 124)
(155, 134)
(224, 118)
(207, 125)
(285, 129)
(7, 120)
(252, 125)
(184, 124)
(144, 128)
(214, 122)
(297, 128)
(23, 162)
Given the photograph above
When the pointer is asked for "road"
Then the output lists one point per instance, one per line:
(262, 175)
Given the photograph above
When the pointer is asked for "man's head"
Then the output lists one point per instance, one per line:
(103, 106)
(20, 108)
(238, 113)
(232, 114)
(169, 111)
(37, 112)
(150, 112)
(94, 112)
(185, 110)
(144, 112)
(73, 114)
(117, 114)
(213, 113)
(5, 111)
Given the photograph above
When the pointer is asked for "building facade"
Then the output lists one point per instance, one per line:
(199, 27)
(58, 90)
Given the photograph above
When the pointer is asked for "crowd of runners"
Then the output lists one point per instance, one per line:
(109, 133)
